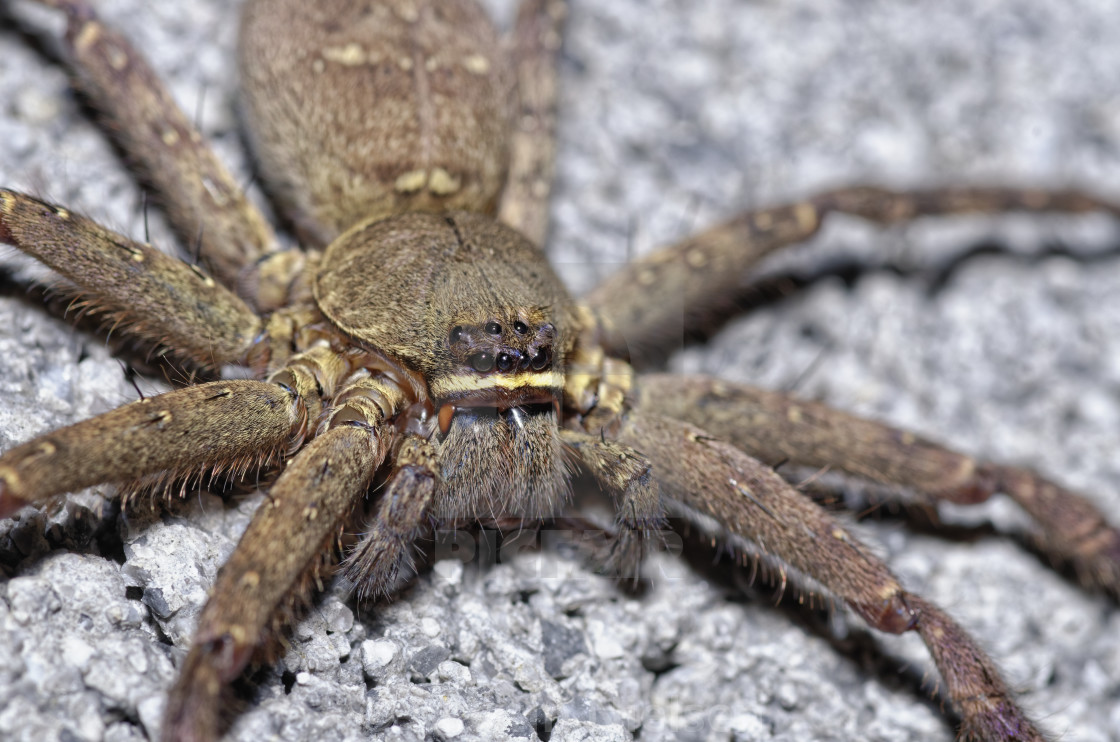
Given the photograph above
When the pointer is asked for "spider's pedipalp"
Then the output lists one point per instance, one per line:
(374, 564)
(775, 427)
(625, 474)
(208, 425)
(706, 477)
(196, 189)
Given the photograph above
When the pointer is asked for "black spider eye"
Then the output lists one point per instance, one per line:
(541, 359)
(482, 362)
(520, 327)
(493, 328)
(456, 333)
(506, 361)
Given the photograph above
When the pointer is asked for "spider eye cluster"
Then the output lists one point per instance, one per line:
(505, 347)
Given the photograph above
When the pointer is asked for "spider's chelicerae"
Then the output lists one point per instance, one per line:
(549, 651)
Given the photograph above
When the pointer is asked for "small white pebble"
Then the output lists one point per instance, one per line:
(378, 653)
(150, 711)
(604, 642)
(138, 660)
(749, 726)
(788, 697)
(449, 727)
(449, 571)
(492, 724)
(430, 627)
(340, 618)
(452, 671)
(35, 107)
(77, 652)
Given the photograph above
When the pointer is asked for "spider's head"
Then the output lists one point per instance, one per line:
(498, 397)
(473, 308)
(469, 304)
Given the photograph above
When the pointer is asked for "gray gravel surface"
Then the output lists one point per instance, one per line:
(675, 114)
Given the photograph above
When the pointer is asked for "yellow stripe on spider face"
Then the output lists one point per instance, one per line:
(465, 383)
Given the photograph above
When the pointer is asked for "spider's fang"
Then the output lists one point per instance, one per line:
(446, 413)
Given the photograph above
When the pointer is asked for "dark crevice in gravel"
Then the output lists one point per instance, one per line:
(288, 678)
(541, 722)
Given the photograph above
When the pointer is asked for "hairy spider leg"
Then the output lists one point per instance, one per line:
(706, 479)
(197, 191)
(148, 294)
(776, 427)
(698, 280)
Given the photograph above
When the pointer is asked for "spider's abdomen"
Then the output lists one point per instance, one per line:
(360, 110)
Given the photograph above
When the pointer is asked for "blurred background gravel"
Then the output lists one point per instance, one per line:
(1001, 337)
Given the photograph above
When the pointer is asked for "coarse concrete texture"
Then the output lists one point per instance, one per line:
(674, 114)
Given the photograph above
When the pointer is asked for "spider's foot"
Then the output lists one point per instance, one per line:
(611, 552)
(996, 719)
(624, 562)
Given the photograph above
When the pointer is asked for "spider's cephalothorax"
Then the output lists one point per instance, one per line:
(463, 307)
(417, 359)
